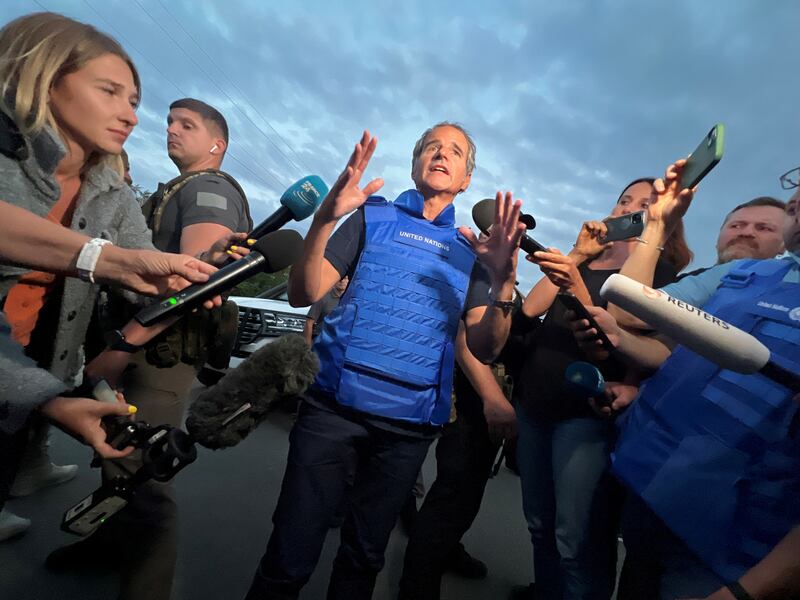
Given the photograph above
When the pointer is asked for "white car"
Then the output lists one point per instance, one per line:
(265, 318)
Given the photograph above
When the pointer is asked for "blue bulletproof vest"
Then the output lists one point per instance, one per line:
(387, 349)
(714, 453)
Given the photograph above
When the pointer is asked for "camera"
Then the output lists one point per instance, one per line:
(711, 139)
(165, 451)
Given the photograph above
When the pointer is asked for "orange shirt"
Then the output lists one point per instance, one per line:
(26, 299)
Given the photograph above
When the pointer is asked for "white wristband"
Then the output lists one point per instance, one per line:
(87, 259)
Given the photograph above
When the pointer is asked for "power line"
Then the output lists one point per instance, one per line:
(228, 96)
(127, 42)
(233, 85)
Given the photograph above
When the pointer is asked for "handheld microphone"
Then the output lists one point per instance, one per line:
(299, 201)
(585, 378)
(483, 215)
(223, 415)
(703, 333)
(271, 253)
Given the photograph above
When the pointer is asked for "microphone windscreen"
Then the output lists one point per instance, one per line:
(283, 368)
(705, 334)
(483, 214)
(528, 220)
(281, 248)
(304, 196)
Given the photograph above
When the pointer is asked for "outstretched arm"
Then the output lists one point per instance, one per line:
(312, 276)
(645, 352)
(30, 241)
(672, 202)
(561, 272)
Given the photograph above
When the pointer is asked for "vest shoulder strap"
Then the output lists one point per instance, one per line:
(158, 206)
(377, 208)
(743, 274)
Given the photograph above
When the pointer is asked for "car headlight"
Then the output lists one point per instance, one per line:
(276, 323)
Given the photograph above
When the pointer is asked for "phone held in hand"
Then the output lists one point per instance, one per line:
(704, 158)
(625, 227)
(570, 302)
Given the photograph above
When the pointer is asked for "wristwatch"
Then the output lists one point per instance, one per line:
(505, 305)
(115, 340)
(87, 259)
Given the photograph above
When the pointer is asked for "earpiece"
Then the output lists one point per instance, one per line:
(214, 147)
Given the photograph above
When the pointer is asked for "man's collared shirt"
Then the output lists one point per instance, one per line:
(697, 289)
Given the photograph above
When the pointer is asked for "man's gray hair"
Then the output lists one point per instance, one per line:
(470, 150)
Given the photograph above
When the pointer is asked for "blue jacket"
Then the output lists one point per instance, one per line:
(388, 347)
(716, 454)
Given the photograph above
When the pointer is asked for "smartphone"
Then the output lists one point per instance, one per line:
(570, 302)
(530, 245)
(625, 227)
(704, 158)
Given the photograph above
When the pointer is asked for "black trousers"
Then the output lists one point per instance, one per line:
(464, 457)
(325, 449)
(12, 447)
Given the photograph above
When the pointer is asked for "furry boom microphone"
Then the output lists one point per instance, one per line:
(223, 415)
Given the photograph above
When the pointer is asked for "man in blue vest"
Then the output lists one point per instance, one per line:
(712, 457)
(386, 353)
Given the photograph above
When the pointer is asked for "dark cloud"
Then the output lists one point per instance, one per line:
(567, 101)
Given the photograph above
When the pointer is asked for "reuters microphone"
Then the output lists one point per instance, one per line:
(701, 332)
(271, 253)
(483, 215)
(298, 202)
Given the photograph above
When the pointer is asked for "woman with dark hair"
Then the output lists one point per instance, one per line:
(569, 499)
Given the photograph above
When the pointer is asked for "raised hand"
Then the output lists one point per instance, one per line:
(588, 244)
(672, 200)
(345, 195)
(498, 252)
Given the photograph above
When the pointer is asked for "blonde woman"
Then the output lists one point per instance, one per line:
(67, 104)
(68, 95)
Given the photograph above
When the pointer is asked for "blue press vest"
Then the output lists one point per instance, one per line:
(387, 349)
(714, 453)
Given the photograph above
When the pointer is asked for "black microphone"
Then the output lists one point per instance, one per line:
(299, 201)
(271, 253)
(483, 215)
(225, 414)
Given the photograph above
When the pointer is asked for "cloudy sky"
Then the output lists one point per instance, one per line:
(567, 101)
